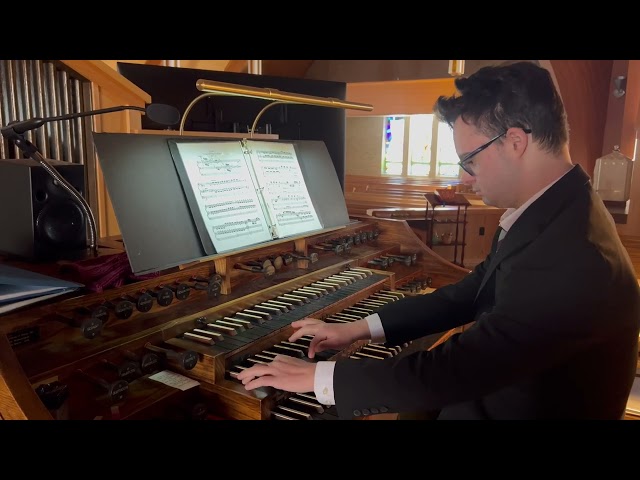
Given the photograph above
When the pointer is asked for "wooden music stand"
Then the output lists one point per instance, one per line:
(436, 203)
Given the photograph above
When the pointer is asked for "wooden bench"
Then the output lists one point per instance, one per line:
(365, 183)
(359, 202)
(366, 192)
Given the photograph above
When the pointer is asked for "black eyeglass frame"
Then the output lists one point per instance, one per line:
(467, 158)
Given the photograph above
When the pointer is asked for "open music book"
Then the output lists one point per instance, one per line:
(242, 193)
(19, 287)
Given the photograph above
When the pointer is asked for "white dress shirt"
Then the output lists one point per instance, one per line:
(323, 380)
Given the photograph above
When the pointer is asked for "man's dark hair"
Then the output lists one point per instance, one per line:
(499, 97)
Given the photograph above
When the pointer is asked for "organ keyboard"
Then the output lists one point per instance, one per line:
(205, 322)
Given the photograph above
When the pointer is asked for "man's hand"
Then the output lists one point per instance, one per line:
(329, 335)
(283, 372)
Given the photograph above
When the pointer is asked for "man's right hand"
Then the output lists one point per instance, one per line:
(328, 336)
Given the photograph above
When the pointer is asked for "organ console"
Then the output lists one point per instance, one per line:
(107, 348)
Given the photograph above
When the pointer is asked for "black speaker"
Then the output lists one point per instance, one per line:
(39, 219)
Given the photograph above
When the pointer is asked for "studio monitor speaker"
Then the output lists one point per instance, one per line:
(39, 219)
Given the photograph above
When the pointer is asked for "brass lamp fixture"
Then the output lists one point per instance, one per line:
(277, 97)
(456, 68)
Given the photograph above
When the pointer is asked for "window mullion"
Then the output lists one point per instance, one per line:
(433, 169)
(406, 146)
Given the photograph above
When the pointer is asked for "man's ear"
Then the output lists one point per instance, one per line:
(517, 140)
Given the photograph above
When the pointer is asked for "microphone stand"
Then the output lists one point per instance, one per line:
(15, 131)
(30, 149)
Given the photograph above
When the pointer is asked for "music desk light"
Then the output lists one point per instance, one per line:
(277, 97)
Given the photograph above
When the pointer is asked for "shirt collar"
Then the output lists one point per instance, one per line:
(510, 216)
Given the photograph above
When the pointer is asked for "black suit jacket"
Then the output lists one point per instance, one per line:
(556, 314)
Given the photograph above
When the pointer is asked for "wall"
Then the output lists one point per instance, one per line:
(219, 65)
(584, 88)
(364, 145)
(620, 129)
(387, 70)
(599, 121)
(349, 70)
(631, 124)
(403, 97)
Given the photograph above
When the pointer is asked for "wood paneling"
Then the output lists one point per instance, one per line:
(623, 121)
(286, 68)
(399, 98)
(279, 68)
(237, 66)
(633, 247)
(584, 87)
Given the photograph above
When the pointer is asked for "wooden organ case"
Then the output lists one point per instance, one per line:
(92, 355)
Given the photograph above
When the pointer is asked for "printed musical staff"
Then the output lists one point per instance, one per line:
(238, 229)
(289, 217)
(224, 193)
(286, 195)
(244, 193)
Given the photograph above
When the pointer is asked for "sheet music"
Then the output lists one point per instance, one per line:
(225, 194)
(283, 188)
(174, 379)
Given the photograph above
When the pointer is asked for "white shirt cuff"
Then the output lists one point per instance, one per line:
(375, 328)
(323, 383)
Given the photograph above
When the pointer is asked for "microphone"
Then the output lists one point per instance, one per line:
(14, 131)
(157, 112)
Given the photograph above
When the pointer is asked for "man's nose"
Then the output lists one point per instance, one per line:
(467, 179)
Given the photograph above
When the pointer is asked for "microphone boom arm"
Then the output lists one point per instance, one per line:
(14, 131)
(20, 127)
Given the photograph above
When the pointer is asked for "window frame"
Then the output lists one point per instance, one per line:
(406, 160)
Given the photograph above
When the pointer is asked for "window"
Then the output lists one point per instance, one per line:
(419, 145)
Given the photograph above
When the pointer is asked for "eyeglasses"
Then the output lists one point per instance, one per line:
(469, 156)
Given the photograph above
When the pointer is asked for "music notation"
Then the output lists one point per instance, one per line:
(213, 166)
(291, 217)
(284, 184)
(206, 191)
(238, 229)
(285, 190)
(230, 208)
(244, 193)
(226, 206)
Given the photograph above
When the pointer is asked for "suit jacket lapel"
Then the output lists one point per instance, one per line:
(535, 218)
